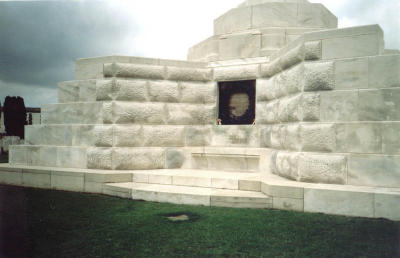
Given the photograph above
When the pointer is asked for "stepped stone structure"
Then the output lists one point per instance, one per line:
(279, 109)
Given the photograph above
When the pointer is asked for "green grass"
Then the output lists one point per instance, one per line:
(46, 223)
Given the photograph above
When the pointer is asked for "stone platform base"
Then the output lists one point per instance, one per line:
(213, 188)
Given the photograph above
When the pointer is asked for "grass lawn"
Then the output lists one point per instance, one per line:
(44, 223)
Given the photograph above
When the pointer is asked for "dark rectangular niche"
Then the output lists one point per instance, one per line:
(237, 102)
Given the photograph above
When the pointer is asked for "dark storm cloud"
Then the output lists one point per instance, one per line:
(41, 40)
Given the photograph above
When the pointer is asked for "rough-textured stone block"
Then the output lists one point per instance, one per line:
(190, 114)
(331, 169)
(261, 113)
(293, 108)
(270, 69)
(68, 91)
(165, 136)
(379, 105)
(319, 76)
(287, 165)
(198, 136)
(128, 136)
(272, 111)
(198, 92)
(384, 71)
(276, 141)
(339, 106)
(292, 138)
(107, 114)
(139, 113)
(338, 202)
(105, 89)
(293, 80)
(264, 89)
(390, 138)
(318, 137)
(163, 91)
(174, 158)
(243, 135)
(310, 106)
(99, 158)
(188, 74)
(313, 50)
(351, 74)
(103, 136)
(130, 90)
(126, 70)
(241, 72)
(138, 158)
(359, 138)
(293, 57)
(265, 136)
(374, 170)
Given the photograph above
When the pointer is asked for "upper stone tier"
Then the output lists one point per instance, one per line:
(258, 28)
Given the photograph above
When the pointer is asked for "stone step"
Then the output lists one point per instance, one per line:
(189, 195)
(200, 178)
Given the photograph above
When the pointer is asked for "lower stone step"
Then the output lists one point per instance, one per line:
(189, 195)
(200, 178)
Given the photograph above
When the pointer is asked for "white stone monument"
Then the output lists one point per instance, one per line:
(279, 109)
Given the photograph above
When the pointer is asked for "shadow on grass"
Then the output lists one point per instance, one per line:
(45, 223)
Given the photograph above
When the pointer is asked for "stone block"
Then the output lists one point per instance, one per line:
(270, 69)
(18, 155)
(33, 134)
(263, 91)
(384, 71)
(198, 135)
(236, 19)
(262, 113)
(293, 56)
(241, 72)
(188, 74)
(330, 169)
(99, 158)
(239, 46)
(11, 177)
(283, 191)
(33, 155)
(293, 110)
(190, 114)
(130, 90)
(37, 179)
(374, 170)
(223, 183)
(87, 90)
(128, 136)
(105, 89)
(310, 106)
(163, 91)
(126, 70)
(68, 91)
(138, 158)
(265, 136)
(352, 46)
(250, 185)
(271, 109)
(339, 106)
(276, 139)
(48, 156)
(103, 136)
(288, 204)
(390, 138)
(387, 206)
(174, 158)
(191, 181)
(359, 138)
(273, 41)
(274, 15)
(319, 76)
(379, 105)
(351, 74)
(83, 135)
(165, 136)
(292, 137)
(107, 114)
(313, 50)
(160, 179)
(294, 80)
(336, 202)
(72, 113)
(139, 113)
(198, 92)
(287, 165)
(239, 135)
(71, 157)
(67, 183)
(318, 137)
(206, 51)
(315, 16)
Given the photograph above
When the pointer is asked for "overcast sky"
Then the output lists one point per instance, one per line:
(39, 41)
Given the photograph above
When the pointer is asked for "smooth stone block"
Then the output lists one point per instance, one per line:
(359, 204)
(87, 90)
(198, 136)
(68, 91)
(191, 181)
(18, 155)
(359, 138)
(384, 71)
(390, 138)
(222, 183)
(160, 179)
(170, 197)
(140, 178)
(67, 183)
(315, 15)
(379, 105)
(270, 69)
(288, 204)
(273, 41)
(387, 206)
(239, 46)
(37, 180)
(274, 15)
(351, 74)
(283, 191)
(71, 157)
(165, 136)
(236, 19)
(175, 158)
(11, 177)
(93, 187)
(374, 170)
(249, 185)
(241, 72)
(339, 106)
